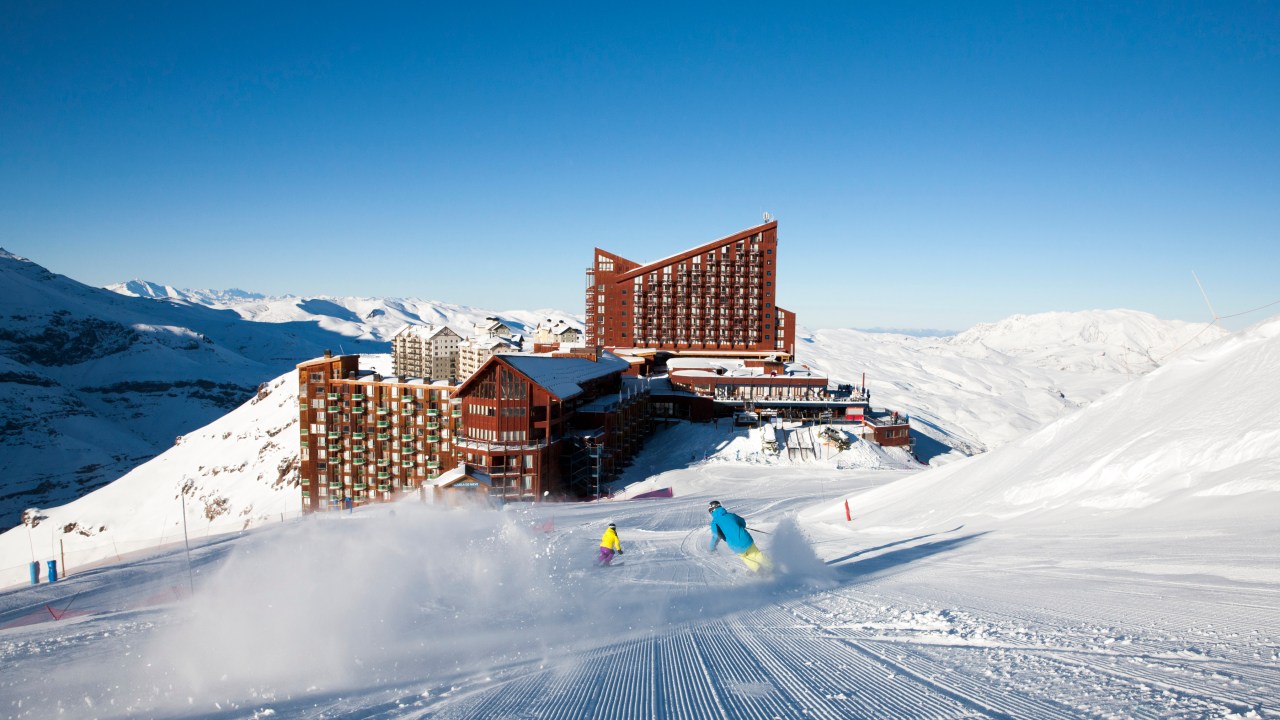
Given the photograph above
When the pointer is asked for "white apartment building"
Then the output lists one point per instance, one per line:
(473, 353)
(557, 331)
(492, 327)
(426, 351)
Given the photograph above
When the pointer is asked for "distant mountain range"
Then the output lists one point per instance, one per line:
(374, 319)
(95, 382)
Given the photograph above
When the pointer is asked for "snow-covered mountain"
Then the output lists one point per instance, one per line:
(1192, 446)
(994, 383)
(92, 383)
(375, 319)
(156, 291)
(96, 382)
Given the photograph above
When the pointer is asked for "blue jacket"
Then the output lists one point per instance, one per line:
(730, 528)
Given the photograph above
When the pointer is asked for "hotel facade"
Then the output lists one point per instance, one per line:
(714, 299)
(523, 427)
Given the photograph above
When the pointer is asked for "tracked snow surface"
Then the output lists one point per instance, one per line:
(1119, 562)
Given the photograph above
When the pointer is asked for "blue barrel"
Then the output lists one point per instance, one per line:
(53, 570)
(35, 573)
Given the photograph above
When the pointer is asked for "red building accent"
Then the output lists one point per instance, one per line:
(558, 424)
(717, 298)
(365, 438)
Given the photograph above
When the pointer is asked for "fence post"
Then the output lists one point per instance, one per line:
(847, 516)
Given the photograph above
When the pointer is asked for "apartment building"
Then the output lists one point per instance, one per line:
(717, 298)
(556, 331)
(426, 351)
(492, 327)
(474, 352)
(366, 438)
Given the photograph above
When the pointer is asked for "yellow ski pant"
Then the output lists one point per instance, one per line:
(755, 560)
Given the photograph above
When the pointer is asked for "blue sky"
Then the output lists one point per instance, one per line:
(931, 164)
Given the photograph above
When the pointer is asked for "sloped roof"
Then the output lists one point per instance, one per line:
(449, 478)
(426, 332)
(562, 376)
(734, 237)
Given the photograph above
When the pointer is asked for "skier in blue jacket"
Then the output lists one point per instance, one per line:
(732, 529)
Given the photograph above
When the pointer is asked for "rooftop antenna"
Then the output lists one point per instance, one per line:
(1205, 295)
(767, 216)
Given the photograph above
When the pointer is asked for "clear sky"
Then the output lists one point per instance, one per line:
(932, 165)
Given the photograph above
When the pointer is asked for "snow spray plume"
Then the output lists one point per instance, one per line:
(793, 558)
(328, 603)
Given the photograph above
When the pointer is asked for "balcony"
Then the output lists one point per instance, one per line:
(335, 448)
(359, 486)
(406, 438)
(384, 436)
(433, 438)
(357, 411)
(433, 464)
(406, 463)
(384, 423)
(383, 409)
(358, 461)
(433, 413)
(333, 408)
(334, 396)
(302, 405)
(384, 476)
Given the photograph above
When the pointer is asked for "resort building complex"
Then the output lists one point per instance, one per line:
(697, 336)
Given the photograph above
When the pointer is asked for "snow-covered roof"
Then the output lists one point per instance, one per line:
(728, 367)
(459, 474)
(488, 343)
(562, 376)
(425, 332)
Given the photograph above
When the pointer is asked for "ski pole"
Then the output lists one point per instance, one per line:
(759, 531)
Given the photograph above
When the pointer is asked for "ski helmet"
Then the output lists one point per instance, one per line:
(612, 526)
(713, 505)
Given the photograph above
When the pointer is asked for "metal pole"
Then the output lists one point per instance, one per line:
(190, 575)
